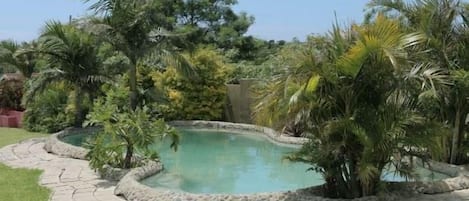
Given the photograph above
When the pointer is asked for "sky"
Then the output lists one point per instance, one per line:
(21, 20)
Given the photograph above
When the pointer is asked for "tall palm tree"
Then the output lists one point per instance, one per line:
(133, 28)
(72, 58)
(445, 25)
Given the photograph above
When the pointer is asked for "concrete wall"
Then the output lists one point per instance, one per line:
(239, 102)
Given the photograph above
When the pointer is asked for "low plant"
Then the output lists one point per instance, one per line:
(127, 135)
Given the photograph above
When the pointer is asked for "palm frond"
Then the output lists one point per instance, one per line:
(181, 63)
(103, 6)
(383, 39)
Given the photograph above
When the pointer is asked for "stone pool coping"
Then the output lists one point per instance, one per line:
(61, 148)
(130, 187)
(247, 129)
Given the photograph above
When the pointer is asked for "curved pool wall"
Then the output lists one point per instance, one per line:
(56, 145)
(130, 187)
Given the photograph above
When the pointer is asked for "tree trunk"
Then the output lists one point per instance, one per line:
(355, 184)
(330, 187)
(78, 107)
(456, 137)
(91, 97)
(343, 190)
(128, 156)
(133, 86)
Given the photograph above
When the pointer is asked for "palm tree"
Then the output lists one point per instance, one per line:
(297, 62)
(445, 25)
(132, 27)
(72, 57)
(24, 63)
(357, 110)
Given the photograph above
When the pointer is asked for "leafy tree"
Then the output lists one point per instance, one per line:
(72, 56)
(213, 22)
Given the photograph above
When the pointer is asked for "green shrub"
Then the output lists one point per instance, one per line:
(47, 111)
(11, 92)
(199, 98)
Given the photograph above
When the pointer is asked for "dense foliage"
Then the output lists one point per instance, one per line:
(10, 59)
(47, 111)
(11, 93)
(200, 98)
(446, 27)
(354, 97)
(72, 57)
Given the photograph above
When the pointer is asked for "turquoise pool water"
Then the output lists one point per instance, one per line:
(221, 162)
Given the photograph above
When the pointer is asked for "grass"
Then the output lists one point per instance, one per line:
(14, 135)
(19, 184)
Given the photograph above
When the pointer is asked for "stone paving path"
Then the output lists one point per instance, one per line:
(69, 179)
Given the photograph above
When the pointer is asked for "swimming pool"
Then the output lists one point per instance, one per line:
(214, 161)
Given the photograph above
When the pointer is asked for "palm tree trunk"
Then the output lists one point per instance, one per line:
(456, 137)
(355, 184)
(128, 156)
(78, 107)
(133, 86)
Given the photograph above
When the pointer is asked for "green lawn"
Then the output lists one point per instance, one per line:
(14, 135)
(17, 184)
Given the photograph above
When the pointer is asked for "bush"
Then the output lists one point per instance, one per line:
(11, 92)
(199, 98)
(47, 111)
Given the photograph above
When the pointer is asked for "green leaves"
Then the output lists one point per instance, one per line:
(312, 85)
(381, 43)
(198, 92)
(46, 112)
(12, 56)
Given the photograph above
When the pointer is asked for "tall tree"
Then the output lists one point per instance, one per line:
(137, 30)
(213, 21)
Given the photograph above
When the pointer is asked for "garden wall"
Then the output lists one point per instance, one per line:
(239, 102)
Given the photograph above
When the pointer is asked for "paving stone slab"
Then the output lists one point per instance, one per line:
(68, 179)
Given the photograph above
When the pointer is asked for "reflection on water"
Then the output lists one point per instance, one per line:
(217, 162)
